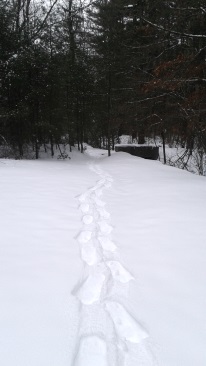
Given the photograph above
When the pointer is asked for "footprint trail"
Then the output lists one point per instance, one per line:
(108, 334)
(90, 290)
(126, 327)
(92, 352)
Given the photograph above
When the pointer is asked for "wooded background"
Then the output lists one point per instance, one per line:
(91, 71)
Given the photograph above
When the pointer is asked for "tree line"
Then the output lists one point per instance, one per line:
(91, 71)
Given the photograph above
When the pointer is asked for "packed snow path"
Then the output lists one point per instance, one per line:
(108, 334)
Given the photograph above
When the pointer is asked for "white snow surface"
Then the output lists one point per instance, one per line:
(102, 262)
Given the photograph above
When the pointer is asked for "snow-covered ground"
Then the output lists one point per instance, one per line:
(192, 161)
(102, 263)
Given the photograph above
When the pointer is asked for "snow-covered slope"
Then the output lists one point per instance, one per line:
(102, 262)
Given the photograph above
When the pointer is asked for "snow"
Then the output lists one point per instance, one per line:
(87, 219)
(136, 145)
(84, 236)
(118, 272)
(102, 262)
(89, 254)
(106, 243)
(126, 327)
(92, 351)
(90, 290)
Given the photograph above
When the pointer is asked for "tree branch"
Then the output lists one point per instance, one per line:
(44, 20)
(160, 27)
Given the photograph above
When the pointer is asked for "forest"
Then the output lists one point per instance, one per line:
(79, 71)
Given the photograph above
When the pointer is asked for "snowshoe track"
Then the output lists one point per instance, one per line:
(108, 334)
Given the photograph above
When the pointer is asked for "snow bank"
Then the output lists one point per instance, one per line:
(154, 240)
(159, 218)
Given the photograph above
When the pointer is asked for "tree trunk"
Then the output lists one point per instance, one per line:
(163, 145)
(141, 136)
(113, 143)
(52, 145)
(109, 114)
(36, 149)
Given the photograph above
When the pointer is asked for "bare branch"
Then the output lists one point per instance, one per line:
(45, 19)
(160, 27)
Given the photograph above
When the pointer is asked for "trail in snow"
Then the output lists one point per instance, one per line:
(90, 290)
(107, 330)
(118, 272)
(92, 351)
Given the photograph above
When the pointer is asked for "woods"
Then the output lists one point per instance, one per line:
(91, 71)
